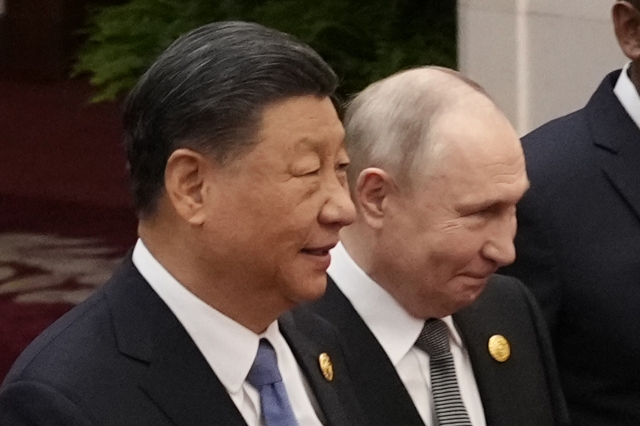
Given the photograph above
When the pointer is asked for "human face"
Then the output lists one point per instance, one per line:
(444, 237)
(626, 21)
(276, 210)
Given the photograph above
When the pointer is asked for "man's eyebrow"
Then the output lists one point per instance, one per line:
(306, 144)
(487, 203)
(309, 143)
(479, 205)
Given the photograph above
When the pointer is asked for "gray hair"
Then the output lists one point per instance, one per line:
(388, 125)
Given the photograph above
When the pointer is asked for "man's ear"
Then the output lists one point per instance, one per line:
(372, 190)
(184, 178)
(626, 21)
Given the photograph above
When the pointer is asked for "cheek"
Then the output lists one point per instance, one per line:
(272, 206)
(289, 225)
(458, 252)
(455, 254)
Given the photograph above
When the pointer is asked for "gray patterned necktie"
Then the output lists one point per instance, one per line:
(448, 405)
(265, 377)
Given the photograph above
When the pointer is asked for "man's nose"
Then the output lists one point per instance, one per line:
(499, 246)
(339, 208)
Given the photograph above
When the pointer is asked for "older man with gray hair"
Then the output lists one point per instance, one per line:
(432, 336)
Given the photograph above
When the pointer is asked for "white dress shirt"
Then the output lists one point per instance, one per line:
(628, 95)
(397, 332)
(228, 347)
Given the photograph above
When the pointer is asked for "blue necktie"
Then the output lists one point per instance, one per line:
(265, 377)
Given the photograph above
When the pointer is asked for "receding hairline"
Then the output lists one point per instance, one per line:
(427, 76)
(448, 86)
(389, 124)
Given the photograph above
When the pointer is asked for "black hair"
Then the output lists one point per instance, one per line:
(207, 92)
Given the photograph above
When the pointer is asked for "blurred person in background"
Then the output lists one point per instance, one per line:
(578, 239)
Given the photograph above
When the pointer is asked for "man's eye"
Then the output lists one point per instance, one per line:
(342, 167)
(312, 173)
(493, 210)
(487, 211)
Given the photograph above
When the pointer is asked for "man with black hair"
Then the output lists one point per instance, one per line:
(237, 165)
(578, 240)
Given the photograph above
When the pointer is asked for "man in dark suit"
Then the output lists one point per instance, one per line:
(435, 176)
(237, 162)
(578, 240)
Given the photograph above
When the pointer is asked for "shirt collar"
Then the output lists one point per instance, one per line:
(228, 347)
(628, 95)
(394, 328)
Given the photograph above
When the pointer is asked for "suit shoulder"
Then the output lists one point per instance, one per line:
(74, 349)
(558, 147)
(555, 129)
(504, 284)
(62, 336)
(509, 294)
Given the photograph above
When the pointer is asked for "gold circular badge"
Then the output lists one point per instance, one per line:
(499, 348)
(326, 366)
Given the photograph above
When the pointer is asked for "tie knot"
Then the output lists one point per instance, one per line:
(264, 370)
(434, 338)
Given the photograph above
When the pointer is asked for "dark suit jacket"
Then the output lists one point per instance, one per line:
(122, 358)
(523, 391)
(578, 246)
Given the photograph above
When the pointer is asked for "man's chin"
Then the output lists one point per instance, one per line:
(471, 295)
(471, 289)
(309, 289)
(458, 304)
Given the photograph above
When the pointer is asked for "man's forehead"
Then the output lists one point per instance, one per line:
(317, 143)
(297, 113)
(300, 125)
(471, 166)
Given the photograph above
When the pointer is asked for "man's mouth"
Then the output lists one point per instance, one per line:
(318, 251)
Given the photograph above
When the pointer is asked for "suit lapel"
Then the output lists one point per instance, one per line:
(307, 350)
(368, 364)
(474, 333)
(183, 385)
(486, 317)
(178, 378)
(617, 141)
(515, 391)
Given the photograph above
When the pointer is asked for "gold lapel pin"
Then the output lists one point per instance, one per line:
(326, 366)
(499, 348)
